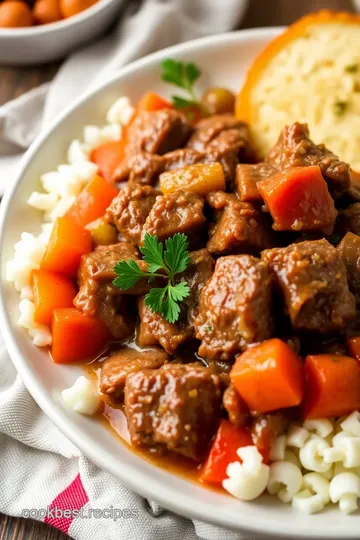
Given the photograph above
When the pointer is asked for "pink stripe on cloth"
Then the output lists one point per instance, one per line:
(71, 498)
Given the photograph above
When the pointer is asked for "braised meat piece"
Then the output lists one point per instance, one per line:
(129, 210)
(349, 251)
(349, 219)
(222, 132)
(141, 168)
(154, 329)
(294, 148)
(157, 132)
(235, 406)
(127, 360)
(98, 297)
(266, 427)
(176, 408)
(180, 212)
(238, 227)
(234, 308)
(247, 177)
(312, 278)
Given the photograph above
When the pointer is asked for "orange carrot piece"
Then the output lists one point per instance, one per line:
(51, 290)
(269, 376)
(92, 202)
(311, 208)
(68, 242)
(108, 156)
(333, 386)
(353, 345)
(76, 337)
(227, 440)
(152, 102)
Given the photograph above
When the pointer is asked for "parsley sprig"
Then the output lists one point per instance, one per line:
(165, 264)
(183, 76)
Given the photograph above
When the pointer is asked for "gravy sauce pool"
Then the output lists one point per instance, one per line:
(115, 420)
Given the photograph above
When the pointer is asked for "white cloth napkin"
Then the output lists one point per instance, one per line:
(41, 469)
(144, 28)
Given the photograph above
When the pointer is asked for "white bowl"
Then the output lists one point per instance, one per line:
(49, 42)
(223, 60)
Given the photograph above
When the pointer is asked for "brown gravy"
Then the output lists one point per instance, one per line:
(114, 419)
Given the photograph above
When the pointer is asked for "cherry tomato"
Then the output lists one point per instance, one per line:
(72, 7)
(15, 14)
(46, 11)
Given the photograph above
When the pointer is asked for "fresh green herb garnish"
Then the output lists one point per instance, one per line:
(340, 107)
(352, 68)
(184, 76)
(165, 264)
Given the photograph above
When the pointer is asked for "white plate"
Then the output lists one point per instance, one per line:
(49, 42)
(223, 60)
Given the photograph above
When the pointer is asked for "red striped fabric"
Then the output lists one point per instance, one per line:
(71, 498)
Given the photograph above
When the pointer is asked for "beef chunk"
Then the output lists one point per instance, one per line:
(222, 369)
(129, 210)
(98, 296)
(349, 251)
(141, 168)
(235, 407)
(354, 189)
(349, 219)
(176, 408)
(180, 212)
(157, 132)
(266, 427)
(234, 308)
(294, 148)
(247, 176)
(222, 132)
(313, 281)
(127, 360)
(238, 227)
(145, 168)
(155, 329)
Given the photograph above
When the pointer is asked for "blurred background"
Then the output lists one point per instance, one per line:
(16, 80)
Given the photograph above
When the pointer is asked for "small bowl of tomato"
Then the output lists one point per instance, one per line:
(40, 31)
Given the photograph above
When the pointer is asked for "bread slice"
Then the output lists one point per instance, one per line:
(311, 74)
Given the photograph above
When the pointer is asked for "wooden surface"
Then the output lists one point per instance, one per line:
(15, 81)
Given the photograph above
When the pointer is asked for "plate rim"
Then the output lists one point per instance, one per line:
(50, 406)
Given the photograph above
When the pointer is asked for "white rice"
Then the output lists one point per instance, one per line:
(61, 187)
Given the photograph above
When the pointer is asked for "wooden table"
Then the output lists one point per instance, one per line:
(15, 81)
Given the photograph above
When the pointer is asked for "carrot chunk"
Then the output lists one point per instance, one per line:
(298, 199)
(152, 102)
(353, 345)
(92, 202)
(51, 290)
(269, 376)
(108, 156)
(227, 440)
(68, 242)
(333, 386)
(75, 336)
